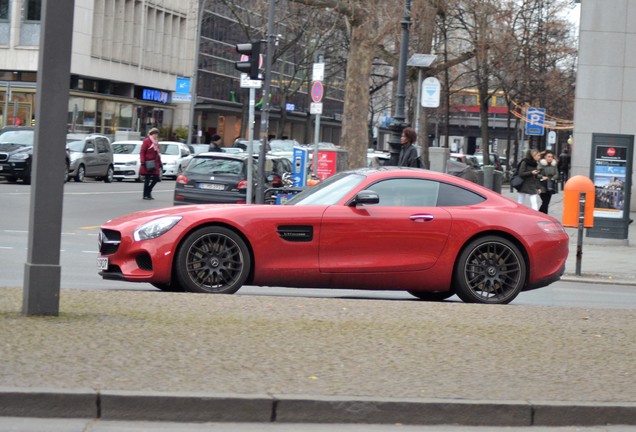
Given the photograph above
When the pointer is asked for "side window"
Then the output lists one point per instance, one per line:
(453, 196)
(102, 147)
(407, 192)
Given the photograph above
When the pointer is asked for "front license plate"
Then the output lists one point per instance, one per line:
(211, 186)
(102, 263)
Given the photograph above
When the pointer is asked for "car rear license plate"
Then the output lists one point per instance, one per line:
(102, 263)
(212, 186)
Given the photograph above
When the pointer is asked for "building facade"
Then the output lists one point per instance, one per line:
(126, 58)
(606, 79)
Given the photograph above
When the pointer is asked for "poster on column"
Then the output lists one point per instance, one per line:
(610, 173)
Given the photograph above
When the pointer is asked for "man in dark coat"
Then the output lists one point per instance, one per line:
(215, 144)
(408, 153)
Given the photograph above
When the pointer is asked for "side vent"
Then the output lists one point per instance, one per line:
(296, 233)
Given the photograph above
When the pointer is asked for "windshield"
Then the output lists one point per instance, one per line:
(169, 149)
(120, 148)
(75, 146)
(17, 137)
(329, 191)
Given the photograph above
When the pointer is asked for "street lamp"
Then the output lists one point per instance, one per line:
(398, 124)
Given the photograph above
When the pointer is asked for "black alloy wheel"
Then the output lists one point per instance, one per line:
(490, 270)
(212, 260)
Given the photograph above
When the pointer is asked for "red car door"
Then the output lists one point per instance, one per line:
(382, 238)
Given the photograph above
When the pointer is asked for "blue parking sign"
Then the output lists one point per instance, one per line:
(535, 118)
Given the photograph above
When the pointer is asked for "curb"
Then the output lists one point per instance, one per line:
(595, 278)
(211, 407)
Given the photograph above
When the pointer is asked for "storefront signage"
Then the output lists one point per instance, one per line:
(153, 95)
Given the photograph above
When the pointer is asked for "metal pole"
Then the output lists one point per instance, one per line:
(260, 185)
(250, 147)
(42, 271)
(316, 140)
(579, 237)
(195, 71)
(398, 118)
(419, 95)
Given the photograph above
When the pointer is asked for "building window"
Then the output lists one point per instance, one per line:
(33, 10)
(4, 9)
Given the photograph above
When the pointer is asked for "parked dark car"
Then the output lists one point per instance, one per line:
(16, 154)
(216, 177)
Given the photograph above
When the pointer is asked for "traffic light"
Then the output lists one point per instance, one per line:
(253, 52)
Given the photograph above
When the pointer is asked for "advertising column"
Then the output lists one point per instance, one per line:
(611, 169)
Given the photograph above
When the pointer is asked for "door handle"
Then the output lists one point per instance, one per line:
(421, 217)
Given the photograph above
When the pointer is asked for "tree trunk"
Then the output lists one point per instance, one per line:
(355, 137)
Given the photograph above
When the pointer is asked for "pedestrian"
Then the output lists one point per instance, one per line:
(549, 178)
(564, 165)
(215, 144)
(150, 158)
(408, 153)
(529, 170)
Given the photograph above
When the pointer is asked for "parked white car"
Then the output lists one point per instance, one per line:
(175, 157)
(126, 160)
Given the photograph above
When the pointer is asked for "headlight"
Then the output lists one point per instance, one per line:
(551, 227)
(155, 228)
(131, 163)
(171, 163)
(18, 157)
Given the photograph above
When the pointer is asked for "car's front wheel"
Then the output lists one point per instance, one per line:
(490, 270)
(212, 260)
(109, 175)
(81, 174)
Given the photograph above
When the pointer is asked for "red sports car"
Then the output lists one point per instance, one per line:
(387, 228)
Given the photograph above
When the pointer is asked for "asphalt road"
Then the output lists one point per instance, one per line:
(87, 205)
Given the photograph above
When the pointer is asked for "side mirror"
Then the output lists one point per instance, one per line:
(366, 197)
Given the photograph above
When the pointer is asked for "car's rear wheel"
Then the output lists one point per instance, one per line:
(212, 260)
(109, 175)
(432, 295)
(81, 174)
(490, 270)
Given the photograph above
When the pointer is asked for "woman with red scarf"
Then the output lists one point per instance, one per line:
(150, 162)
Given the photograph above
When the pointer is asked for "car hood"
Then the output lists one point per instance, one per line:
(15, 148)
(169, 158)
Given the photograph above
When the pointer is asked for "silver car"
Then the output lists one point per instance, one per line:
(90, 156)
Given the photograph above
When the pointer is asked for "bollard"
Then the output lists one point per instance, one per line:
(578, 193)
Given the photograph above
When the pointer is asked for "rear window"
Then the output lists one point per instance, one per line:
(210, 166)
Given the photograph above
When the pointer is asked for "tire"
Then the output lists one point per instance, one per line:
(490, 270)
(167, 288)
(65, 172)
(110, 173)
(432, 295)
(81, 174)
(212, 260)
(12, 179)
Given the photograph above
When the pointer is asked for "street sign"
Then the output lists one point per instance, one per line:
(430, 93)
(535, 118)
(315, 108)
(181, 98)
(318, 72)
(317, 91)
(183, 85)
(246, 82)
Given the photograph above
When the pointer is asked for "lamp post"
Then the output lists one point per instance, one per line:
(398, 124)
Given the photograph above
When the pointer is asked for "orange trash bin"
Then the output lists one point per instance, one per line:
(571, 202)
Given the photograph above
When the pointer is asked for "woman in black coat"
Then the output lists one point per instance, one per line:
(148, 154)
(529, 171)
(408, 153)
